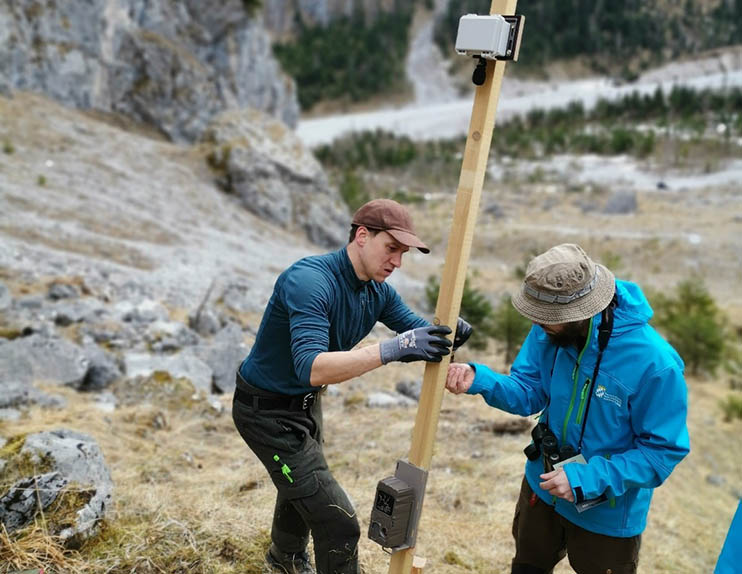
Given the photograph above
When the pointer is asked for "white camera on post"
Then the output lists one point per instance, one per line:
(493, 37)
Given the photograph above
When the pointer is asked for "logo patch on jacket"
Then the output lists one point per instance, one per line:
(602, 393)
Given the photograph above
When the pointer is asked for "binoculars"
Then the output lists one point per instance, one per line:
(545, 445)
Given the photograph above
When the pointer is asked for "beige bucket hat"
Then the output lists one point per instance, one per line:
(564, 285)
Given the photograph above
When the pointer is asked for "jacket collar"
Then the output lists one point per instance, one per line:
(347, 271)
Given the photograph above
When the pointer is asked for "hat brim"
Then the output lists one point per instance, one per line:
(578, 310)
(408, 239)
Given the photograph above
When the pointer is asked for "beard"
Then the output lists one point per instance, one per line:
(572, 334)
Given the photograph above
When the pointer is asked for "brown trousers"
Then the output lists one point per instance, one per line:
(543, 538)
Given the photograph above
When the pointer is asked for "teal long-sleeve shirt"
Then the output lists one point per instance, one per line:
(318, 304)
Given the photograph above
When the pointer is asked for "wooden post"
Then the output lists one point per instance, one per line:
(473, 168)
(418, 563)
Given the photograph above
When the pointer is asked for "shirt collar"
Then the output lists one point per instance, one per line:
(347, 271)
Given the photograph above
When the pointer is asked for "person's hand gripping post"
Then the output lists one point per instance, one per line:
(422, 344)
(463, 332)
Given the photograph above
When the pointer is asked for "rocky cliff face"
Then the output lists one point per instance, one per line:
(173, 64)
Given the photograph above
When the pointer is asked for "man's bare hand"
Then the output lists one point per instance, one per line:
(557, 483)
(460, 377)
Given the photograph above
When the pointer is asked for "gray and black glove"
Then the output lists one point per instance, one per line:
(463, 332)
(421, 344)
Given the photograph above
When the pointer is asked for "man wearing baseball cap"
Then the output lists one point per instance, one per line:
(613, 406)
(321, 308)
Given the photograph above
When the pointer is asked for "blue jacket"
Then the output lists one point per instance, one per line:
(731, 554)
(636, 429)
(318, 304)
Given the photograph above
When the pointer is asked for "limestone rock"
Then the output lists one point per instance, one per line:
(621, 203)
(275, 176)
(5, 299)
(223, 355)
(65, 471)
(387, 400)
(42, 359)
(181, 365)
(411, 389)
(103, 369)
(19, 505)
(166, 63)
(63, 291)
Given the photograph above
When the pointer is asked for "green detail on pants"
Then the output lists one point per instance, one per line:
(284, 469)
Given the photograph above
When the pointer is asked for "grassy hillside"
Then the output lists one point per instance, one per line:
(191, 498)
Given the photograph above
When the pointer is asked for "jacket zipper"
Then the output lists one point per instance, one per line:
(575, 376)
(583, 396)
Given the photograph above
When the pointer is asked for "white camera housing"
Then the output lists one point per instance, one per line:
(492, 37)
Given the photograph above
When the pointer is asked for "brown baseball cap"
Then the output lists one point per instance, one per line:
(564, 285)
(392, 217)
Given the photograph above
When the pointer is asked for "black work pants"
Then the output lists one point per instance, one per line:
(543, 538)
(309, 498)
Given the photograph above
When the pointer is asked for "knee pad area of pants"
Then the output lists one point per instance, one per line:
(345, 529)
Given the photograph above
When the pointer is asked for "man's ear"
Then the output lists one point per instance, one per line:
(362, 236)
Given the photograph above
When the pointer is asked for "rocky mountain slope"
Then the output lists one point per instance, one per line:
(170, 64)
(81, 196)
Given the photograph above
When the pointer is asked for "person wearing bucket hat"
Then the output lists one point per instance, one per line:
(321, 308)
(613, 404)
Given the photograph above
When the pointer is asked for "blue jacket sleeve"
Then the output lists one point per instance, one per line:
(658, 420)
(398, 316)
(731, 553)
(307, 298)
(523, 392)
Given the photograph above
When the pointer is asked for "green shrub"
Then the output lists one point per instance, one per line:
(8, 148)
(41, 180)
(370, 149)
(622, 141)
(509, 327)
(731, 407)
(693, 324)
(251, 6)
(433, 161)
(353, 191)
(475, 308)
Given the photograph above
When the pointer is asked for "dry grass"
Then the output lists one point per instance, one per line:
(191, 498)
(36, 548)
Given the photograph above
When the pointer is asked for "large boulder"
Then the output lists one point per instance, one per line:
(223, 355)
(169, 63)
(61, 473)
(183, 365)
(263, 162)
(44, 360)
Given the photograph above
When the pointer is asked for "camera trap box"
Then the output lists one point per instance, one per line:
(391, 513)
(493, 37)
(397, 505)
